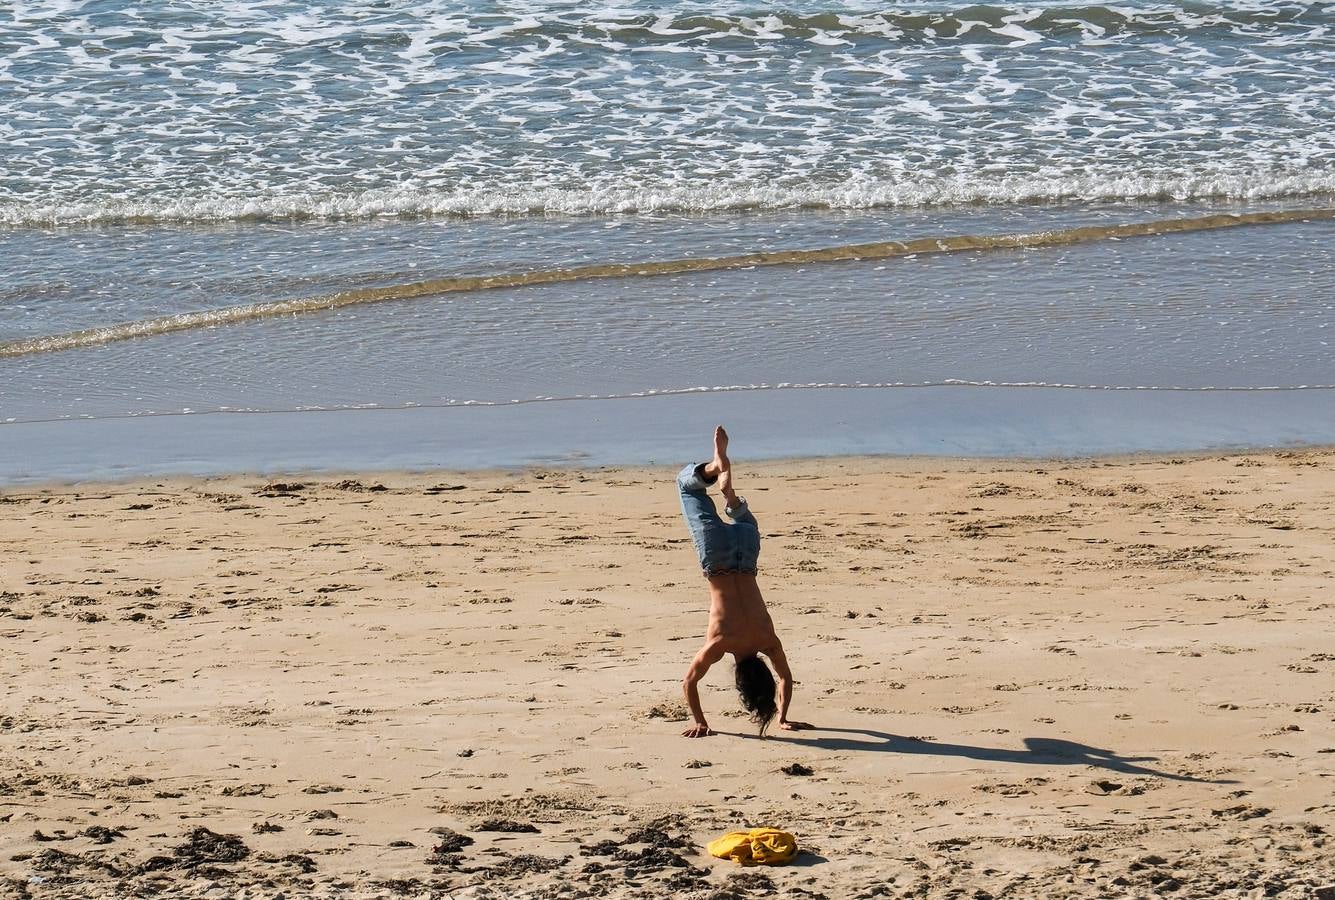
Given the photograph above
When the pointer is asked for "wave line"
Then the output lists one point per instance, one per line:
(659, 393)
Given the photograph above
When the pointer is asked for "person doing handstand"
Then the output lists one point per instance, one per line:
(739, 623)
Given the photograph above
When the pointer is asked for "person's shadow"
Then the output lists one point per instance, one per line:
(1038, 751)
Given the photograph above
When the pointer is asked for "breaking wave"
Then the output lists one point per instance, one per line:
(856, 194)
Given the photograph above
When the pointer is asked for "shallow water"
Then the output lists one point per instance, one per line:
(55, 280)
(669, 430)
(1248, 307)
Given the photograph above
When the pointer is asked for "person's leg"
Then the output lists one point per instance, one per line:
(694, 478)
(697, 507)
(744, 546)
(738, 510)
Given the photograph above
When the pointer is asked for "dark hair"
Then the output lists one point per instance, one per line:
(755, 683)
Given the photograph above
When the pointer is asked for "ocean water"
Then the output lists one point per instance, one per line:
(189, 111)
(279, 235)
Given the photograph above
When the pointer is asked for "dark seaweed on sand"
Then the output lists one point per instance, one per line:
(506, 826)
(525, 864)
(101, 834)
(449, 851)
(205, 846)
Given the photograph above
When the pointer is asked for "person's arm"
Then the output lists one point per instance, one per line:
(709, 654)
(780, 663)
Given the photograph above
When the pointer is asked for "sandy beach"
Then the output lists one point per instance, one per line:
(1101, 678)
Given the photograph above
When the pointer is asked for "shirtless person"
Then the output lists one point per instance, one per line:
(738, 621)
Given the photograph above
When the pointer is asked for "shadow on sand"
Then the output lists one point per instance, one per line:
(1037, 751)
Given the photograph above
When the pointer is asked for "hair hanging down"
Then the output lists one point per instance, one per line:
(755, 683)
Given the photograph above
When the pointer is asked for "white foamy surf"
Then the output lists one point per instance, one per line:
(190, 111)
(595, 199)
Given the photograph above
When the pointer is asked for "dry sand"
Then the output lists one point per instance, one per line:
(1095, 679)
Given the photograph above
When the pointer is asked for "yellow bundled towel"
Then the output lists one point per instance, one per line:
(763, 846)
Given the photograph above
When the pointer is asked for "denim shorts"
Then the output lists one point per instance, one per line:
(723, 547)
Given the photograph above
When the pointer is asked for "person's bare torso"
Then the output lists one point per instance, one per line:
(738, 619)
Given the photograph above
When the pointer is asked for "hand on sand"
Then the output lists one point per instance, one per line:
(796, 726)
(697, 731)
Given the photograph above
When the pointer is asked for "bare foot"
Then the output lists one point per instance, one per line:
(721, 462)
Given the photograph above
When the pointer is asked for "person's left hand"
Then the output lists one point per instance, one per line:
(795, 726)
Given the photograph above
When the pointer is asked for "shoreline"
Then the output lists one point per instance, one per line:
(886, 463)
(1046, 679)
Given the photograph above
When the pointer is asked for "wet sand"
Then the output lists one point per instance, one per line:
(1101, 678)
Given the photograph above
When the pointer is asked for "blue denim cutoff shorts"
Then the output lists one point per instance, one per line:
(723, 548)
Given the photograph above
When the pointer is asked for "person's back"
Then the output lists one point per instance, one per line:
(737, 614)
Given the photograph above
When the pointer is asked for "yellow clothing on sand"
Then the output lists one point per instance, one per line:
(763, 846)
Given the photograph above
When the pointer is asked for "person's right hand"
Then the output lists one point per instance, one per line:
(698, 730)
